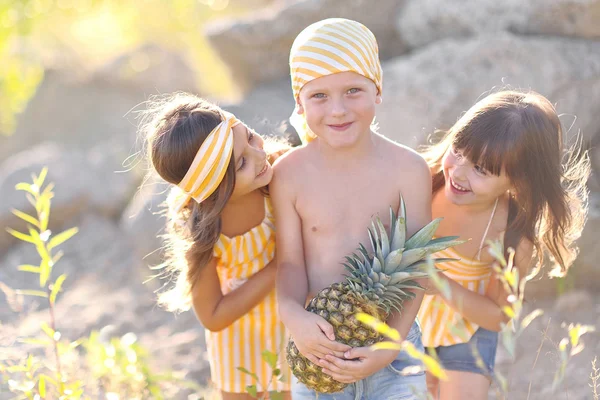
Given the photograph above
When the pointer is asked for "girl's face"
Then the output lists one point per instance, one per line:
(252, 169)
(468, 183)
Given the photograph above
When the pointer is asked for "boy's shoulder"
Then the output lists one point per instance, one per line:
(293, 158)
(401, 156)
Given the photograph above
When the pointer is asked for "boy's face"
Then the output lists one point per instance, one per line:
(339, 108)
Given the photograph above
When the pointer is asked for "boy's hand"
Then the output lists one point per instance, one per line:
(359, 363)
(315, 339)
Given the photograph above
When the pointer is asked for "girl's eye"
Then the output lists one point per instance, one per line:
(242, 163)
(454, 152)
(480, 170)
(354, 90)
(250, 136)
(319, 95)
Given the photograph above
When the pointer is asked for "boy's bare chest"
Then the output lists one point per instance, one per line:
(345, 206)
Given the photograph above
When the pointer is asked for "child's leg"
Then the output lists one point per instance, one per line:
(464, 385)
(433, 386)
(469, 367)
(235, 396)
(246, 396)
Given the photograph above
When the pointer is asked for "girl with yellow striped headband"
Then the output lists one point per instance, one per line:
(223, 253)
(327, 47)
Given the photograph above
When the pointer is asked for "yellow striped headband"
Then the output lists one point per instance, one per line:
(209, 166)
(329, 47)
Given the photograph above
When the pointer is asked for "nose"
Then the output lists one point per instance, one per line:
(459, 171)
(259, 153)
(338, 108)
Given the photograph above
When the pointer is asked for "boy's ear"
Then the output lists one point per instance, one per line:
(378, 99)
(299, 108)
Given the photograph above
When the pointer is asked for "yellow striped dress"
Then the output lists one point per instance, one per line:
(436, 317)
(241, 343)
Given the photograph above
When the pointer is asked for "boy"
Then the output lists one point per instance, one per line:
(325, 194)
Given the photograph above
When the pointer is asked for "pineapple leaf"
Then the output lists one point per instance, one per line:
(385, 241)
(424, 235)
(377, 267)
(392, 261)
(399, 231)
(434, 248)
(412, 256)
(442, 239)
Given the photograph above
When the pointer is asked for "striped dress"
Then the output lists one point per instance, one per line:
(441, 324)
(241, 343)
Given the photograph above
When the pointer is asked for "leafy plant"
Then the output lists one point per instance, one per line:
(254, 390)
(120, 366)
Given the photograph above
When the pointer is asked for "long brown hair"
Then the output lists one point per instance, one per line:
(174, 127)
(521, 133)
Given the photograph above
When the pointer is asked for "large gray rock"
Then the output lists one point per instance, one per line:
(424, 21)
(257, 48)
(433, 86)
(84, 182)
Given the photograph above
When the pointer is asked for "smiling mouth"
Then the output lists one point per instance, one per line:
(263, 170)
(458, 187)
(341, 127)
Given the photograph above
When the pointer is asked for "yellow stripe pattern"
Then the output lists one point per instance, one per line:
(210, 163)
(242, 343)
(328, 47)
(441, 324)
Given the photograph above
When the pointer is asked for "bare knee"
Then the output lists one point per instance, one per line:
(433, 386)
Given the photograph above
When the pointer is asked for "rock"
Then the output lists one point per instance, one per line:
(431, 87)
(148, 68)
(574, 301)
(78, 113)
(257, 48)
(267, 110)
(84, 182)
(422, 22)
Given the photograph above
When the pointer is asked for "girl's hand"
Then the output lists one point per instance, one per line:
(314, 337)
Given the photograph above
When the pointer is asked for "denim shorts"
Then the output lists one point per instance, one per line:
(402, 379)
(460, 357)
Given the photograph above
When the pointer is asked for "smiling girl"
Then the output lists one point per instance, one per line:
(220, 235)
(501, 172)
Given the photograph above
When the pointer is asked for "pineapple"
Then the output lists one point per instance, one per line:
(377, 283)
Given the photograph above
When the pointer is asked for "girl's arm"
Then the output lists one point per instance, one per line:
(486, 310)
(217, 311)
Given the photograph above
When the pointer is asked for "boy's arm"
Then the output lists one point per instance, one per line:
(217, 311)
(312, 334)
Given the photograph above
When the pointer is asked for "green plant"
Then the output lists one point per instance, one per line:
(515, 286)
(117, 365)
(254, 390)
(36, 378)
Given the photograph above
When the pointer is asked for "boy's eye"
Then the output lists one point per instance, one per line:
(354, 90)
(319, 95)
(250, 135)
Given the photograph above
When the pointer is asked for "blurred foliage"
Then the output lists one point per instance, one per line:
(83, 34)
(118, 367)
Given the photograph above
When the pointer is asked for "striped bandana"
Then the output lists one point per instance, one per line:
(209, 166)
(329, 47)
